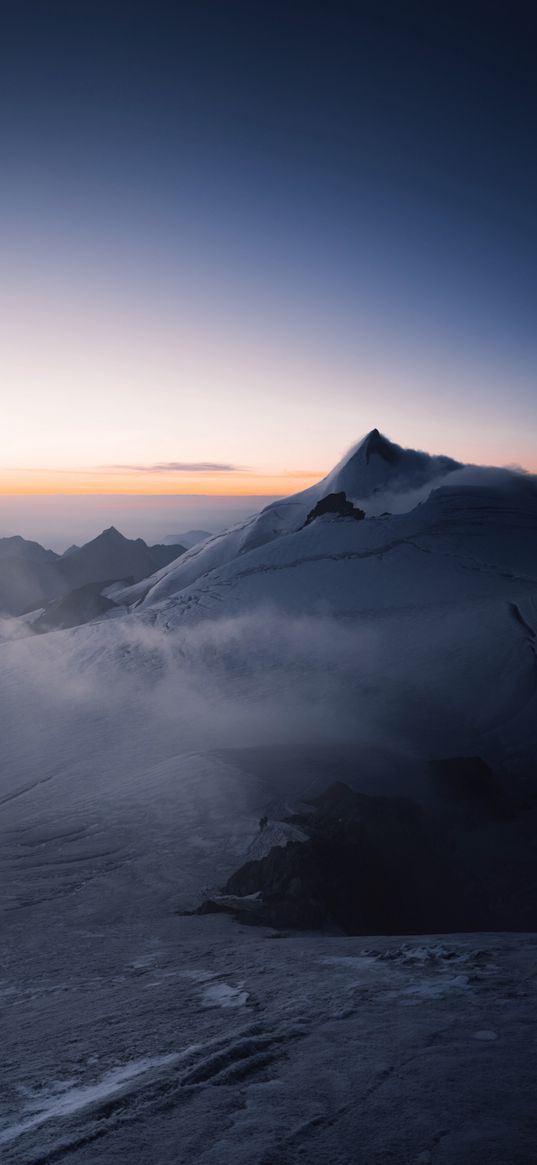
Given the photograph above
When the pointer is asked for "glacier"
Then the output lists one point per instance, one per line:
(138, 753)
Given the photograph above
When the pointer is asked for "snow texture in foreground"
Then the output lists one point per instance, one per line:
(138, 755)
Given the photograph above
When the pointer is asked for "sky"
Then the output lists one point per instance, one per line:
(235, 236)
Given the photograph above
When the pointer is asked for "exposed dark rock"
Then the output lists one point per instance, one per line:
(337, 504)
(385, 865)
(470, 786)
(370, 865)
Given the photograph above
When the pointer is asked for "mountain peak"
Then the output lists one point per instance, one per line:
(376, 443)
(376, 465)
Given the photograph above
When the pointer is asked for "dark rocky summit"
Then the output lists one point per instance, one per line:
(377, 443)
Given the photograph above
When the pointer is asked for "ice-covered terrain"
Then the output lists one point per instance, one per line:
(138, 753)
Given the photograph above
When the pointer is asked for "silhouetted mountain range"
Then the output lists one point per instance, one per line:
(31, 576)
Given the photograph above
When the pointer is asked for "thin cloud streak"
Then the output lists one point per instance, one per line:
(180, 467)
(174, 467)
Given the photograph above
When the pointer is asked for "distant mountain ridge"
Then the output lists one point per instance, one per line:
(111, 555)
(32, 577)
(17, 547)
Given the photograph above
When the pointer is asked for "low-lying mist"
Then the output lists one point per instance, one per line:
(100, 708)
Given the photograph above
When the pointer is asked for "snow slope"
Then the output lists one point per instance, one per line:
(458, 546)
(127, 784)
(372, 467)
(417, 629)
(469, 521)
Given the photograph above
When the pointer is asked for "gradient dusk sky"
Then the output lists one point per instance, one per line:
(237, 235)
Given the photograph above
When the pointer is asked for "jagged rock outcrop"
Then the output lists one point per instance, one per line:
(386, 865)
(369, 865)
(337, 504)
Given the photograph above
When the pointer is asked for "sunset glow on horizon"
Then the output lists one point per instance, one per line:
(182, 287)
(109, 482)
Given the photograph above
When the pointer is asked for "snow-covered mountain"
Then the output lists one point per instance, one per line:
(141, 752)
(444, 586)
(457, 533)
(373, 469)
(417, 608)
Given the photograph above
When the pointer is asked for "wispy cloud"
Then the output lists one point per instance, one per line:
(180, 467)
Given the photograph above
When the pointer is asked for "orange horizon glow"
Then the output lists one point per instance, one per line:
(162, 381)
(44, 482)
(123, 481)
